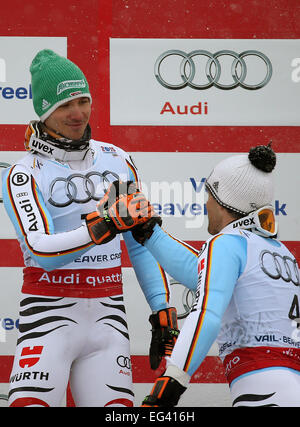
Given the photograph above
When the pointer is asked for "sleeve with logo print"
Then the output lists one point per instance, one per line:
(33, 224)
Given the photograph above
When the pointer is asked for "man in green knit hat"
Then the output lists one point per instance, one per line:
(73, 324)
(49, 90)
(62, 100)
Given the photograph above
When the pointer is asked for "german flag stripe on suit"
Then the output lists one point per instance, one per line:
(202, 313)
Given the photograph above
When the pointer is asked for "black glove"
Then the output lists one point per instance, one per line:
(143, 232)
(165, 392)
(164, 335)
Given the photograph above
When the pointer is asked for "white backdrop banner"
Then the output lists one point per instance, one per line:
(16, 55)
(176, 190)
(205, 82)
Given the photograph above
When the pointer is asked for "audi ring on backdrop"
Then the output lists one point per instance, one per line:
(187, 305)
(213, 77)
(188, 298)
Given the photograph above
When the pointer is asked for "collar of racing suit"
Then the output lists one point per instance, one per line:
(42, 140)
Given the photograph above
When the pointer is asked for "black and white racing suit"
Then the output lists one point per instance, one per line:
(72, 317)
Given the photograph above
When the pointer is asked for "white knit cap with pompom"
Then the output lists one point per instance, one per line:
(243, 183)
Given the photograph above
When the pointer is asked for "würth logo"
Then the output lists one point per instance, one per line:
(31, 356)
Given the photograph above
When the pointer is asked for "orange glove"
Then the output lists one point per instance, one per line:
(124, 206)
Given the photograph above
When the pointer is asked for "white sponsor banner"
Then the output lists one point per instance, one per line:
(176, 190)
(16, 55)
(204, 82)
(10, 290)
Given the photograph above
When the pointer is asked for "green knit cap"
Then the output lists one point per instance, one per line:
(55, 80)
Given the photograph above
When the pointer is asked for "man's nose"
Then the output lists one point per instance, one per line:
(76, 112)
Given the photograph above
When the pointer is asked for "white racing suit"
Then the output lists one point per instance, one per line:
(72, 317)
(247, 296)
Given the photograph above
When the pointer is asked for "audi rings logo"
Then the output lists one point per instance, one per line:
(124, 362)
(185, 299)
(79, 188)
(213, 69)
(277, 266)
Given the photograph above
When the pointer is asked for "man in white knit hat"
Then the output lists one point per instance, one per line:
(247, 292)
